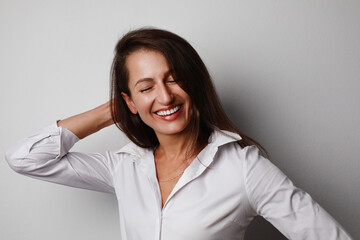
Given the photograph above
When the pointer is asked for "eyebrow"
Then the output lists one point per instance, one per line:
(166, 75)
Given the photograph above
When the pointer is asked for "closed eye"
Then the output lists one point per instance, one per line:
(145, 89)
(171, 80)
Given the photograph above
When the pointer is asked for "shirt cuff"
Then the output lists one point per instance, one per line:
(53, 134)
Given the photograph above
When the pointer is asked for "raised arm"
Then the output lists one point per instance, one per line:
(84, 124)
(45, 155)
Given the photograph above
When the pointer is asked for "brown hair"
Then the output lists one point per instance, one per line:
(190, 73)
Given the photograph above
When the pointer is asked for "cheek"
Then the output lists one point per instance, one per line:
(143, 105)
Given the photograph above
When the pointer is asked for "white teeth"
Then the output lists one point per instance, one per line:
(168, 112)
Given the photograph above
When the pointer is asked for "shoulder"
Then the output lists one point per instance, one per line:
(225, 145)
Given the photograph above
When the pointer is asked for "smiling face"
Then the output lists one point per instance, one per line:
(160, 102)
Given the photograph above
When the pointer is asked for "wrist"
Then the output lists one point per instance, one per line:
(103, 116)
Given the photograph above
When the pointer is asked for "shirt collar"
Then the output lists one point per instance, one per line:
(222, 137)
(217, 139)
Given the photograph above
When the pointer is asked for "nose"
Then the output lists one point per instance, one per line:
(165, 95)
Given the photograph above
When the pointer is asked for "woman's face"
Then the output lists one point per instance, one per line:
(161, 103)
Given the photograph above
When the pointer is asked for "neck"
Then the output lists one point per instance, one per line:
(172, 147)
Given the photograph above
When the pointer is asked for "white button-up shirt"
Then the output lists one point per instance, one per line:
(218, 195)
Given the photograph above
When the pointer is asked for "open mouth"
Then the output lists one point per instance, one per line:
(169, 111)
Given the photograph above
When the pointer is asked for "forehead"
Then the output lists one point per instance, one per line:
(146, 63)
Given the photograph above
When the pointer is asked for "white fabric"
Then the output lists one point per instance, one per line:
(218, 195)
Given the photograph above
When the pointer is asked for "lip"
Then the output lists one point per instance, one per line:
(168, 108)
(170, 117)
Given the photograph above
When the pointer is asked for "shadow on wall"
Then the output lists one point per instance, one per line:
(260, 229)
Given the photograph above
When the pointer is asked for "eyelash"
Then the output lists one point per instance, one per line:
(148, 88)
(145, 89)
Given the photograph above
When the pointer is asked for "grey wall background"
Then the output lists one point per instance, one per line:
(287, 73)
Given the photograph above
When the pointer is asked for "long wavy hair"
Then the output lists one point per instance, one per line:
(192, 76)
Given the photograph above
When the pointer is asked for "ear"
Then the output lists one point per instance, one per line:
(129, 103)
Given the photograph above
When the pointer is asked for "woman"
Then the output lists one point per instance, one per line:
(188, 173)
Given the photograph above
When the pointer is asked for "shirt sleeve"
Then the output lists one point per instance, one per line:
(45, 156)
(292, 211)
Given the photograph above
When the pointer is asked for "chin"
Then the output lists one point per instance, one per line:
(171, 131)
